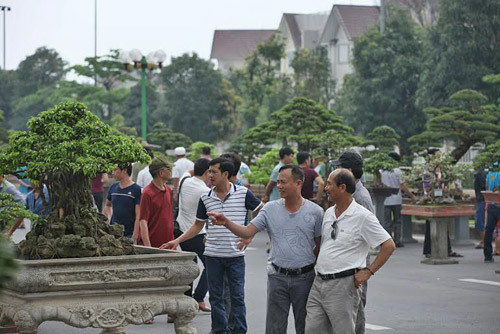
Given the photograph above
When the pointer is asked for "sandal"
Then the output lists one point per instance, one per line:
(455, 254)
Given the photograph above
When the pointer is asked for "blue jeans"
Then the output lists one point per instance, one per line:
(234, 268)
(283, 291)
(493, 218)
(480, 216)
(196, 245)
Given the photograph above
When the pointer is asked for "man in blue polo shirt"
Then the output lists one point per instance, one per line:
(223, 255)
(122, 204)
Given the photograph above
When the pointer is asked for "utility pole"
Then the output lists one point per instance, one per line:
(382, 16)
(4, 9)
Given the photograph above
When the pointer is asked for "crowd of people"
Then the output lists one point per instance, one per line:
(319, 255)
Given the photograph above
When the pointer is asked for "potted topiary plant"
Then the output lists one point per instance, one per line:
(100, 282)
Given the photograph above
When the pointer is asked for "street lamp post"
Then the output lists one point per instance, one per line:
(4, 9)
(151, 61)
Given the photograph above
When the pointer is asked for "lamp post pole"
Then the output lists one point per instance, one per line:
(4, 9)
(144, 65)
(151, 61)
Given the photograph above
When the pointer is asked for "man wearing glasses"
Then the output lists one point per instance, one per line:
(155, 218)
(349, 230)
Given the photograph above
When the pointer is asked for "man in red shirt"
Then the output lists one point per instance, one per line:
(155, 220)
(304, 160)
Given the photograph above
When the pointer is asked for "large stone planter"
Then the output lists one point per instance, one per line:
(439, 217)
(379, 194)
(102, 292)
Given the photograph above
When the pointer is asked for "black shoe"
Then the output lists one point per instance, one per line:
(489, 260)
(399, 245)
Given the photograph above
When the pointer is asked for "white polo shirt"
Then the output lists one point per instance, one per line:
(357, 230)
(189, 197)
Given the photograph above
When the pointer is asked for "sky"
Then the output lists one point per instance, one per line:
(173, 26)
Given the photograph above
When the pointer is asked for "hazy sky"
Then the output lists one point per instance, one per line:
(173, 26)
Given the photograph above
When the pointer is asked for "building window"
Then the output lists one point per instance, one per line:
(343, 53)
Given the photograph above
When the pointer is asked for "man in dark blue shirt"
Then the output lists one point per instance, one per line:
(122, 204)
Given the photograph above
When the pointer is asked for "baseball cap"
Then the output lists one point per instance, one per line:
(349, 159)
(180, 151)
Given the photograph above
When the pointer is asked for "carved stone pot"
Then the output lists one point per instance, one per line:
(102, 292)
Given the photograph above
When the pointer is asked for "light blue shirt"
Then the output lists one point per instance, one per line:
(275, 194)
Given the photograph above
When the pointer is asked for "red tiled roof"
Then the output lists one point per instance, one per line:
(237, 44)
(357, 19)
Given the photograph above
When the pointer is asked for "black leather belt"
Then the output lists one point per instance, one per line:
(341, 274)
(294, 272)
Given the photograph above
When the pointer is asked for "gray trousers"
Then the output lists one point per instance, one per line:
(283, 291)
(392, 222)
(332, 306)
(363, 290)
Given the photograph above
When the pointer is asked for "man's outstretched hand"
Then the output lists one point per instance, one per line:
(170, 245)
(218, 218)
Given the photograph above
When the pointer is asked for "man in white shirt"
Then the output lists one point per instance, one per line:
(349, 230)
(181, 166)
(190, 191)
(144, 177)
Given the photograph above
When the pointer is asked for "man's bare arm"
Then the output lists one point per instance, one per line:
(240, 230)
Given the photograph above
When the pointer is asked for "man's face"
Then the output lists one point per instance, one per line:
(118, 174)
(165, 173)
(215, 175)
(287, 185)
(333, 191)
(288, 159)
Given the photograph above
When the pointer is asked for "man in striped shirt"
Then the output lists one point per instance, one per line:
(223, 254)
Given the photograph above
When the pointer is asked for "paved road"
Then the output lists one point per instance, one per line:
(404, 297)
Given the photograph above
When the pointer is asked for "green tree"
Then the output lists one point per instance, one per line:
(199, 101)
(165, 137)
(386, 73)
(195, 150)
(64, 148)
(8, 82)
(130, 109)
(312, 75)
(466, 123)
(42, 69)
(463, 47)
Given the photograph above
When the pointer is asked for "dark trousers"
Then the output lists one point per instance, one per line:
(493, 218)
(98, 199)
(427, 239)
(197, 246)
(392, 222)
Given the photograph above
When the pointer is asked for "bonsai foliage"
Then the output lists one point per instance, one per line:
(488, 157)
(438, 180)
(196, 148)
(384, 139)
(64, 148)
(12, 210)
(471, 121)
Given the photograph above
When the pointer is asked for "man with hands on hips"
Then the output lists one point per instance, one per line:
(349, 230)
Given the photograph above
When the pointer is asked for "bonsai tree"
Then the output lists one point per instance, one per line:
(64, 148)
(438, 180)
(384, 139)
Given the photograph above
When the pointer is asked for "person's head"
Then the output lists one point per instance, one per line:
(304, 157)
(180, 152)
(160, 169)
(122, 171)
(340, 185)
(352, 161)
(395, 156)
(290, 179)
(149, 152)
(205, 150)
(286, 155)
(220, 171)
(201, 167)
(236, 162)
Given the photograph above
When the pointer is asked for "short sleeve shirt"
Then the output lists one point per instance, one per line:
(181, 166)
(123, 202)
(393, 179)
(292, 234)
(156, 209)
(308, 185)
(189, 197)
(357, 230)
(274, 177)
(220, 241)
(362, 197)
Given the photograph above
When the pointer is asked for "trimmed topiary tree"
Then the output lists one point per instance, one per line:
(64, 148)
